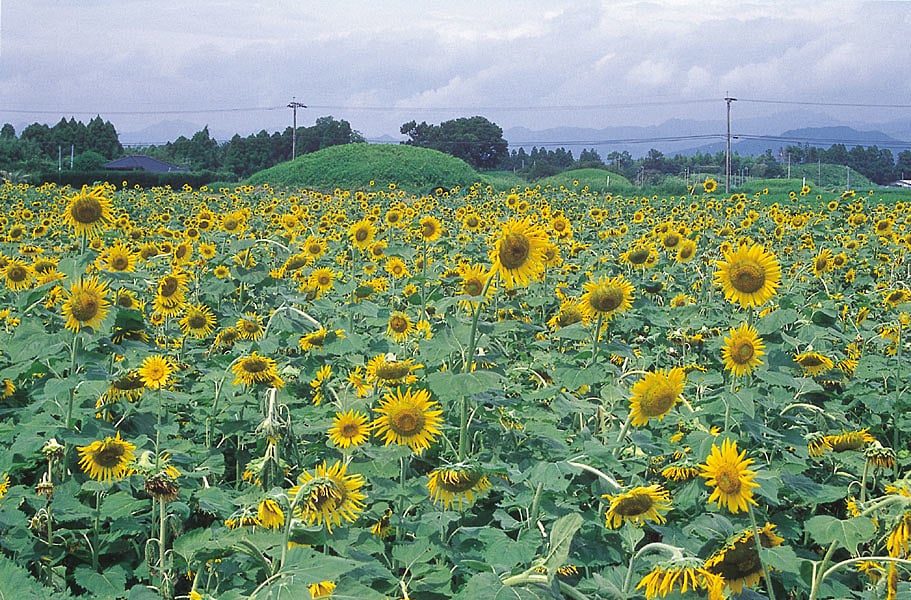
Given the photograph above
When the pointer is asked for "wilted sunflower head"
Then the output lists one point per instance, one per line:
(328, 495)
(457, 483)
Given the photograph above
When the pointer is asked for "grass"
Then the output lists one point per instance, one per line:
(597, 180)
(355, 166)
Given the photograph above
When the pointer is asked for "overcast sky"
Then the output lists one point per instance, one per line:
(380, 63)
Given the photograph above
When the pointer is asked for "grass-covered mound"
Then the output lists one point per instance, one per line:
(355, 166)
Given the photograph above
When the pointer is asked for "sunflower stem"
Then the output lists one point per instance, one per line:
(95, 530)
(596, 337)
(765, 567)
(896, 430)
(72, 399)
(162, 517)
(466, 368)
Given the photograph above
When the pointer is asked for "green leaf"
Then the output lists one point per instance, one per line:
(452, 386)
(488, 585)
(782, 558)
(110, 584)
(561, 537)
(742, 401)
(848, 534)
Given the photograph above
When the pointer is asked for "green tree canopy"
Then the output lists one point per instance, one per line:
(475, 140)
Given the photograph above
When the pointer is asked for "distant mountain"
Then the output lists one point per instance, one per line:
(750, 136)
(159, 133)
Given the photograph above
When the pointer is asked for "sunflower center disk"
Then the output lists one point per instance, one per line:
(109, 456)
(657, 401)
(87, 210)
(514, 250)
(747, 277)
(636, 505)
(744, 353)
(728, 483)
(17, 274)
(84, 307)
(407, 422)
(606, 300)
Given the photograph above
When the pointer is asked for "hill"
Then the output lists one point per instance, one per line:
(354, 166)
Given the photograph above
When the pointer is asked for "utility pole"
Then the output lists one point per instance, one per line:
(727, 153)
(294, 105)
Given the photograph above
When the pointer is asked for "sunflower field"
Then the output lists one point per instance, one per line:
(533, 393)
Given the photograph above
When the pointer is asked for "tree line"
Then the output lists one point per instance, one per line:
(40, 149)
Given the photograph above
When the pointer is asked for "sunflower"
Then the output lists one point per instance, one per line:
(896, 297)
(321, 279)
(686, 251)
(709, 185)
(107, 459)
(519, 253)
(4, 485)
(399, 326)
(86, 304)
(17, 275)
(198, 321)
(349, 429)
(362, 234)
(430, 228)
(386, 370)
(254, 369)
(155, 371)
(227, 337)
(315, 339)
(823, 262)
(749, 275)
(738, 563)
(849, 440)
(89, 211)
(269, 514)
(408, 418)
(221, 272)
(728, 471)
(680, 472)
(328, 495)
(323, 374)
(396, 267)
(637, 506)
(323, 589)
(128, 387)
(898, 543)
(118, 259)
(170, 294)
(742, 350)
(654, 395)
(250, 326)
(813, 363)
(607, 296)
(446, 485)
(686, 573)
(570, 312)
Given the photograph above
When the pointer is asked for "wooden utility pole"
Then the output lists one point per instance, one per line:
(294, 105)
(727, 153)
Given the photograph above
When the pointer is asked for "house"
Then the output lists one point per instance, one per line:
(142, 163)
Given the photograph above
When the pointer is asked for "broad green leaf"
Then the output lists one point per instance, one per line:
(109, 584)
(561, 537)
(848, 534)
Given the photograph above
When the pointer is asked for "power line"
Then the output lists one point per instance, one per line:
(810, 103)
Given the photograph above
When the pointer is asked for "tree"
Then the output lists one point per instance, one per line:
(903, 166)
(475, 140)
(8, 132)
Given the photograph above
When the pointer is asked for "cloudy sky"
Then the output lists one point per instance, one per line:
(235, 64)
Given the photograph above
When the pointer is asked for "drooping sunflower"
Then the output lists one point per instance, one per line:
(742, 350)
(641, 255)
(104, 460)
(86, 304)
(749, 276)
(362, 234)
(519, 253)
(570, 312)
(255, 369)
(319, 381)
(738, 563)
(198, 321)
(18, 275)
(316, 339)
(849, 440)
(408, 418)
(474, 279)
(813, 363)
(320, 590)
(607, 296)
(898, 543)
(270, 514)
(399, 326)
(127, 387)
(155, 371)
(654, 395)
(728, 471)
(896, 297)
(349, 429)
(686, 574)
(456, 483)
(637, 506)
(89, 211)
(328, 495)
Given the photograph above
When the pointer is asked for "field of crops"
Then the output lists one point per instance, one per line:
(542, 392)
